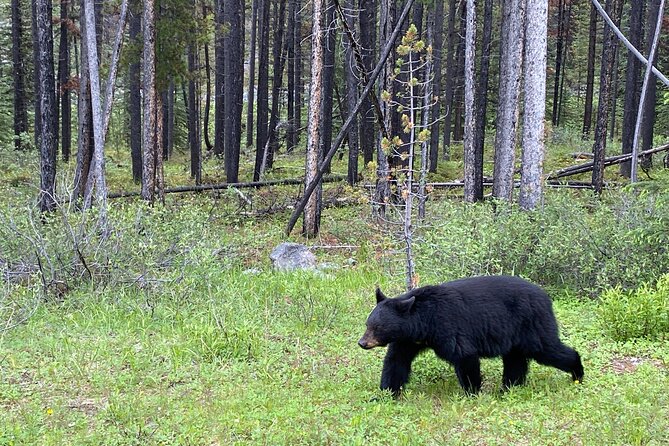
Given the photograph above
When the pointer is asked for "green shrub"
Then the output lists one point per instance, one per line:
(639, 313)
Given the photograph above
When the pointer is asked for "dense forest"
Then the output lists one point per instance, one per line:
(156, 157)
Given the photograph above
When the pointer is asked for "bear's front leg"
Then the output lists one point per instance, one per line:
(468, 370)
(397, 365)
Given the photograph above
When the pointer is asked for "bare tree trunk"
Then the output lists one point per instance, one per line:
(312, 209)
(279, 59)
(605, 81)
(18, 73)
(367, 41)
(36, 76)
(648, 123)
(63, 78)
(252, 74)
(47, 86)
(470, 111)
(328, 80)
(531, 175)
(135, 96)
(632, 84)
(207, 103)
(297, 35)
(219, 79)
(590, 81)
(511, 62)
(234, 87)
(150, 172)
(194, 140)
(351, 96)
(459, 79)
(262, 109)
(85, 120)
(450, 72)
(436, 29)
(559, 44)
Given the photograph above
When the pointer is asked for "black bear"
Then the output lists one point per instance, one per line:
(468, 319)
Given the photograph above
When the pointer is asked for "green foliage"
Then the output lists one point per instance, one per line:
(639, 313)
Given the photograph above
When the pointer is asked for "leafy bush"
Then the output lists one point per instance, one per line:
(579, 244)
(639, 313)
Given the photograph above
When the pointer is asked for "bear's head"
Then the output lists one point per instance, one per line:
(387, 322)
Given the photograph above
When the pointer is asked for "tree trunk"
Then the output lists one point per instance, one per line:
(632, 82)
(207, 103)
(531, 175)
(219, 78)
(511, 62)
(150, 168)
(648, 122)
(18, 73)
(458, 92)
(450, 72)
(471, 189)
(234, 87)
(328, 79)
(252, 73)
(351, 97)
(590, 81)
(436, 22)
(85, 120)
(135, 96)
(63, 87)
(279, 59)
(48, 130)
(482, 100)
(312, 211)
(559, 44)
(36, 76)
(605, 81)
(367, 41)
(194, 141)
(262, 109)
(297, 35)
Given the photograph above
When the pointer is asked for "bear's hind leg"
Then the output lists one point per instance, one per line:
(468, 371)
(397, 365)
(515, 369)
(563, 358)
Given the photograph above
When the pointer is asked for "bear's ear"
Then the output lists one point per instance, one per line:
(380, 297)
(403, 306)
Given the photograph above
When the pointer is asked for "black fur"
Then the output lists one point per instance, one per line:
(465, 320)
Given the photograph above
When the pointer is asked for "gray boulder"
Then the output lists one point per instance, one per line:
(292, 256)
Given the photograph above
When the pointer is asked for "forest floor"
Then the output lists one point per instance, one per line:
(176, 330)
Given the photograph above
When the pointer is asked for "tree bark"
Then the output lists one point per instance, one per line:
(234, 87)
(511, 62)
(207, 101)
(63, 87)
(297, 35)
(471, 189)
(219, 79)
(605, 81)
(367, 39)
(47, 83)
(648, 122)
(194, 140)
(559, 47)
(262, 109)
(328, 79)
(351, 96)
(252, 73)
(632, 84)
(436, 22)
(450, 72)
(84, 118)
(135, 96)
(36, 76)
(18, 73)
(312, 209)
(590, 81)
(531, 176)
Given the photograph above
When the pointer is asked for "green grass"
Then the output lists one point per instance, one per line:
(186, 336)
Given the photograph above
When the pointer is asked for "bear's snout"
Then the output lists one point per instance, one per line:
(368, 341)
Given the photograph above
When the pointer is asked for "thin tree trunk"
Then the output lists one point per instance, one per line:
(219, 79)
(18, 73)
(150, 167)
(63, 78)
(85, 120)
(590, 81)
(36, 76)
(279, 59)
(48, 130)
(262, 109)
(436, 22)
(367, 39)
(470, 192)
(650, 102)
(207, 103)
(632, 84)
(605, 81)
(450, 71)
(135, 96)
(297, 35)
(614, 94)
(351, 96)
(234, 87)
(511, 62)
(531, 175)
(194, 141)
(559, 44)
(312, 209)
(252, 74)
(458, 92)
(328, 80)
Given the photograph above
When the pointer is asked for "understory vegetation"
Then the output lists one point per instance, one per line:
(175, 329)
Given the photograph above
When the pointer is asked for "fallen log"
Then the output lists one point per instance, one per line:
(212, 187)
(458, 184)
(609, 161)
